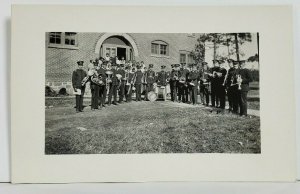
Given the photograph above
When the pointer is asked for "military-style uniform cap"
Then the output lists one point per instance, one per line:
(229, 60)
(80, 63)
(177, 65)
(150, 65)
(204, 63)
(163, 66)
(235, 62)
(242, 61)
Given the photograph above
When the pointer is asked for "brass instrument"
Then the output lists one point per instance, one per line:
(85, 80)
(108, 79)
(224, 82)
(126, 78)
(132, 87)
(182, 80)
(238, 81)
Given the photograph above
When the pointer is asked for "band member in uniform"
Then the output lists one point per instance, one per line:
(77, 77)
(183, 86)
(121, 71)
(150, 79)
(162, 80)
(94, 87)
(138, 83)
(234, 87)
(243, 81)
(174, 77)
(204, 84)
(227, 83)
(171, 81)
(102, 89)
(193, 79)
(113, 86)
(221, 93)
(129, 83)
(144, 83)
(214, 83)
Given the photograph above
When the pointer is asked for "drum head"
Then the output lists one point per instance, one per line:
(152, 96)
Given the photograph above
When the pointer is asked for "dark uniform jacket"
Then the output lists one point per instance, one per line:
(115, 81)
(221, 79)
(173, 75)
(229, 76)
(162, 78)
(139, 77)
(214, 79)
(150, 76)
(194, 77)
(121, 72)
(77, 78)
(246, 79)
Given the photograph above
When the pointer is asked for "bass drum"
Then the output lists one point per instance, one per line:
(152, 96)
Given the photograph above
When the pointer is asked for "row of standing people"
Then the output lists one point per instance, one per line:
(186, 83)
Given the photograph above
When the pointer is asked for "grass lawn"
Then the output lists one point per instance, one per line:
(145, 127)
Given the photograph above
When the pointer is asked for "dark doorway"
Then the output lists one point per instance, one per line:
(121, 52)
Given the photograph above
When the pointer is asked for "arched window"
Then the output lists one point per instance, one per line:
(159, 47)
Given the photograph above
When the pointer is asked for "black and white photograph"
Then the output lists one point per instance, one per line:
(151, 93)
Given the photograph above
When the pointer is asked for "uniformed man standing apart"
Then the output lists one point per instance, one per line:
(243, 82)
(77, 77)
(113, 87)
(221, 93)
(227, 84)
(183, 89)
(150, 79)
(162, 77)
(193, 78)
(214, 83)
(138, 83)
(204, 84)
(102, 89)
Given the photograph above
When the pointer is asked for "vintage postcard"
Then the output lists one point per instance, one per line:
(152, 94)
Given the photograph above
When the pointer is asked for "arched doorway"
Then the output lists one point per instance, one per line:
(121, 45)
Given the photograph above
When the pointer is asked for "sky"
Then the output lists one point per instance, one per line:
(247, 49)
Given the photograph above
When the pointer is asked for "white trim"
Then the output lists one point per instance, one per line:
(126, 36)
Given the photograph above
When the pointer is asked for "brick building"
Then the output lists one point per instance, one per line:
(63, 49)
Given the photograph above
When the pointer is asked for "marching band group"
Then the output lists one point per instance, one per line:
(118, 78)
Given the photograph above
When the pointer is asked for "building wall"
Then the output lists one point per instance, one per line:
(61, 62)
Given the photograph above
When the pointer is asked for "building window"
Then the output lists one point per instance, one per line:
(182, 58)
(159, 48)
(186, 57)
(55, 37)
(154, 48)
(70, 38)
(63, 40)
